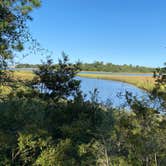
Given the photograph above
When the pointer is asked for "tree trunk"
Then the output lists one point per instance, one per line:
(106, 152)
(155, 158)
(147, 161)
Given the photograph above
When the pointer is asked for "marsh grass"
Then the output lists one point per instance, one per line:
(17, 75)
(144, 82)
(24, 75)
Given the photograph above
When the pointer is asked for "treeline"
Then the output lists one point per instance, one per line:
(100, 66)
(26, 65)
(109, 67)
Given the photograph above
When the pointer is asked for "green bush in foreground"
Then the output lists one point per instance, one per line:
(35, 132)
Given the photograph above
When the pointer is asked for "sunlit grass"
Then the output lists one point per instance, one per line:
(17, 75)
(24, 75)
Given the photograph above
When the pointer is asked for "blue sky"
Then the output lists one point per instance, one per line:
(116, 31)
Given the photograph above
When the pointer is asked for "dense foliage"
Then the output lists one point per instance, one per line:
(36, 131)
(13, 30)
(57, 81)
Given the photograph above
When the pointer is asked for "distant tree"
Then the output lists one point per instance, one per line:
(26, 65)
(109, 67)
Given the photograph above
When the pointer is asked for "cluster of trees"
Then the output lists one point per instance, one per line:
(100, 66)
(109, 67)
(47, 122)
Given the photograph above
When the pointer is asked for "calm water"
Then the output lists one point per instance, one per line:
(109, 90)
(113, 92)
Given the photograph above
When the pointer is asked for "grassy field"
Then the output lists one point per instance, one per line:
(18, 75)
(143, 82)
(24, 75)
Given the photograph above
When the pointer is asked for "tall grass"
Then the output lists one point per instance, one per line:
(144, 82)
(24, 75)
(17, 75)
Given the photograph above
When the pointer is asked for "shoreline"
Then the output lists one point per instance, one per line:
(143, 82)
(31, 69)
(117, 72)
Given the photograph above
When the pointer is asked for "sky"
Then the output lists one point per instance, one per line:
(114, 31)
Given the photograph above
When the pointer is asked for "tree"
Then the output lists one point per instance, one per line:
(160, 88)
(13, 29)
(57, 81)
(159, 91)
(14, 33)
(64, 153)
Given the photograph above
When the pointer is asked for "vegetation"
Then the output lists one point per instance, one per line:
(79, 133)
(13, 35)
(27, 66)
(50, 129)
(100, 66)
(144, 82)
(160, 88)
(109, 67)
(58, 82)
(45, 121)
(13, 29)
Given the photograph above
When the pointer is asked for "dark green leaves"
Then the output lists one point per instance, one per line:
(58, 81)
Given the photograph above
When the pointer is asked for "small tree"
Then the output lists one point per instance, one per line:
(160, 87)
(57, 81)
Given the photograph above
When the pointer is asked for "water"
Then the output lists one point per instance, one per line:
(113, 91)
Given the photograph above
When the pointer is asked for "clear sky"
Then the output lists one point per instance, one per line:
(116, 31)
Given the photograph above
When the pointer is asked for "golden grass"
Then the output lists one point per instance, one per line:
(18, 75)
(143, 82)
(24, 75)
